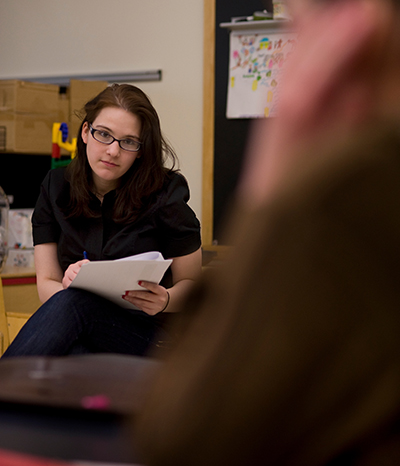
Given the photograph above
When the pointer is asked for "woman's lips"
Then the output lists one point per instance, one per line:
(108, 164)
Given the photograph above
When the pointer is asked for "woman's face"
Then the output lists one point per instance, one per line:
(110, 162)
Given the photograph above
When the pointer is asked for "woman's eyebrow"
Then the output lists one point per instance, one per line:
(112, 132)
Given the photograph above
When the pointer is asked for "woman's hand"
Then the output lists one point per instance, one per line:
(155, 298)
(72, 272)
(152, 300)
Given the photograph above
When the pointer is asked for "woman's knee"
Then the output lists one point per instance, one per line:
(66, 305)
(70, 298)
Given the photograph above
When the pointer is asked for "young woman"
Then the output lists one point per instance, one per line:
(115, 199)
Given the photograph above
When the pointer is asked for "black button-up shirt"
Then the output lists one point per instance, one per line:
(169, 226)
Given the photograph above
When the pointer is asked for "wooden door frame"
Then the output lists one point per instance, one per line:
(208, 123)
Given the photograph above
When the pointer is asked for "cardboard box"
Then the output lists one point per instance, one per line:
(28, 111)
(27, 133)
(27, 97)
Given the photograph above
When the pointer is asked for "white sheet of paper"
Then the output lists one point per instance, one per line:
(111, 279)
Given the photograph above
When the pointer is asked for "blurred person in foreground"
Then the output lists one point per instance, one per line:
(292, 353)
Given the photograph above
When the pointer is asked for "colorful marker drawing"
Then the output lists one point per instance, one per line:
(255, 67)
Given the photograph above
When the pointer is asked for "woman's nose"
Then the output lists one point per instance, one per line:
(113, 149)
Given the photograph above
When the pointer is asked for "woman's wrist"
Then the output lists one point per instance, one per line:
(166, 305)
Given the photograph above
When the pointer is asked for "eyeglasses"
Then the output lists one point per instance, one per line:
(104, 137)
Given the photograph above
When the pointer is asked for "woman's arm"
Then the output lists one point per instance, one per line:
(49, 276)
(185, 270)
(155, 298)
(48, 271)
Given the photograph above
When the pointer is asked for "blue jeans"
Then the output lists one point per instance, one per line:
(74, 321)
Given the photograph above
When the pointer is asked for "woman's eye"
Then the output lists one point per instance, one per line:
(130, 142)
(104, 134)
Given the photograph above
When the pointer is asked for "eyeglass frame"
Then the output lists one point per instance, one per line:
(93, 130)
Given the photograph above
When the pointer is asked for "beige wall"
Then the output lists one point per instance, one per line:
(61, 37)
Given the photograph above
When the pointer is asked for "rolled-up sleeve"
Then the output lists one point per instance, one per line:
(45, 228)
(177, 221)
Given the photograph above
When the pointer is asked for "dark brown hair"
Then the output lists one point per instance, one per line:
(147, 174)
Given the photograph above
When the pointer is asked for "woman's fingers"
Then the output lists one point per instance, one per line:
(152, 300)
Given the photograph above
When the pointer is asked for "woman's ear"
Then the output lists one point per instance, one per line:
(85, 132)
